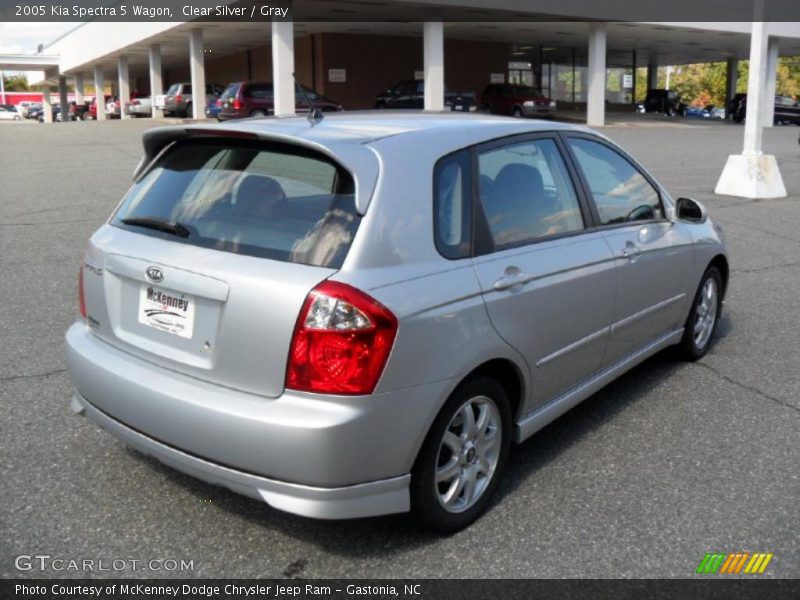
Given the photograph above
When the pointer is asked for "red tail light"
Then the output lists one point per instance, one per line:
(178, 98)
(218, 102)
(237, 104)
(341, 341)
(81, 298)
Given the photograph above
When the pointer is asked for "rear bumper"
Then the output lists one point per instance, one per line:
(362, 500)
(354, 448)
(539, 111)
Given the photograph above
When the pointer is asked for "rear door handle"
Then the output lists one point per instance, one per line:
(512, 278)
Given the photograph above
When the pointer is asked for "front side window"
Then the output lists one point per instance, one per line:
(620, 192)
(526, 193)
(452, 182)
(267, 200)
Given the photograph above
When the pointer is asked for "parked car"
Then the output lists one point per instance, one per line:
(697, 112)
(664, 101)
(31, 107)
(91, 112)
(56, 112)
(326, 318)
(786, 112)
(139, 107)
(25, 105)
(410, 93)
(733, 105)
(178, 98)
(517, 101)
(9, 112)
(255, 99)
(213, 108)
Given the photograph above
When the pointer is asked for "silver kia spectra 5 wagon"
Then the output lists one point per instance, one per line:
(358, 316)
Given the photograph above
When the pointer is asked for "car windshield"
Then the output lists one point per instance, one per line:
(260, 199)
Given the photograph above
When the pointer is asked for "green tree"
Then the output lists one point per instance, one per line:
(16, 83)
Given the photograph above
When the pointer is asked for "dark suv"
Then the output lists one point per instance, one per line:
(787, 110)
(410, 93)
(517, 101)
(664, 101)
(178, 99)
(256, 99)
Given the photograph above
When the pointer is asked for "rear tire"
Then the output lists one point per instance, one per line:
(517, 112)
(258, 113)
(189, 110)
(461, 461)
(701, 324)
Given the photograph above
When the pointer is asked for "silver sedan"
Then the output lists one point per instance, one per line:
(360, 315)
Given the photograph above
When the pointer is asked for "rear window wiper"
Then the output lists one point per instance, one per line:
(172, 227)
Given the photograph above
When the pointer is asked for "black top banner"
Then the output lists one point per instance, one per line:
(714, 588)
(400, 10)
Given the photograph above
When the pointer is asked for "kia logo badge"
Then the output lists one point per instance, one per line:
(154, 274)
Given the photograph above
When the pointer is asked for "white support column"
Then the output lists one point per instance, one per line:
(79, 89)
(197, 66)
(596, 98)
(771, 80)
(124, 85)
(652, 76)
(100, 93)
(47, 106)
(753, 174)
(62, 98)
(283, 68)
(156, 81)
(433, 64)
(732, 80)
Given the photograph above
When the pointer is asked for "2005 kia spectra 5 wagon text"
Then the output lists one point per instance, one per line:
(359, 316)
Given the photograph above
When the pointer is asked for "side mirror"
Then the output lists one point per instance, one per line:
(691, 211)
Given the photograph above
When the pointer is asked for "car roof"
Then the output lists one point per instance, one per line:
(366, 127)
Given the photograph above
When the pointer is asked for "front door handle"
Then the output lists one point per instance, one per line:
(631, 251)
(513, 277)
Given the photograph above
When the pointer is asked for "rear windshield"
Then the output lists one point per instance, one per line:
(174, 88)
(259, 199)
(230, 91)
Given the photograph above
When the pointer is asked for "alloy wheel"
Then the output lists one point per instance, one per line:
(706, 314)
(468, 454)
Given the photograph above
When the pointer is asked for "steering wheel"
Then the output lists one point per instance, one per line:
(643, 212)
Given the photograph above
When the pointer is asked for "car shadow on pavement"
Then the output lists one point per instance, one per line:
(384, 536)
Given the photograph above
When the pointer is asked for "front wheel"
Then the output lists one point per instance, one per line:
(461, 462)
(703, 317)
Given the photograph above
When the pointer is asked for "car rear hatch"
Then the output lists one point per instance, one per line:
(207, 262)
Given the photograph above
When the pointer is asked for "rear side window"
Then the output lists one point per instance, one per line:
(452, 183)
(620, 192)
(259, 90)
(268, 200)
(526, 193)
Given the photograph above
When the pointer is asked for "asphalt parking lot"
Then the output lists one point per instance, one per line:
(669, 462)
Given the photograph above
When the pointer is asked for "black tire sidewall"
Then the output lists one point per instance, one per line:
(689, 348)
(424, 503)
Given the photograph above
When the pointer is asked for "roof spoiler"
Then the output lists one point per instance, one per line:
(359, 160)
